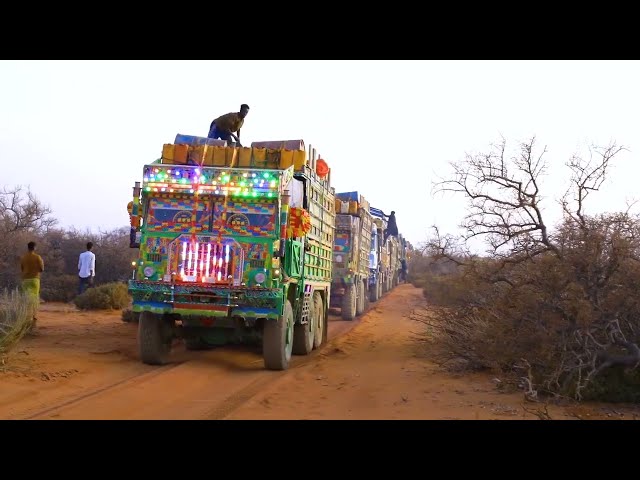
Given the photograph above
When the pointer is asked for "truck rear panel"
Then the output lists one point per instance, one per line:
(353, 237)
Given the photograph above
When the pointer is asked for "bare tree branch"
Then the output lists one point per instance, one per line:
(588, 176)
(504, 198)
(542, 414)
(18, 213)
(445, 247)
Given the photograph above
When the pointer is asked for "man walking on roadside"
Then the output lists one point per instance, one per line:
(31, 266)
(86, 268)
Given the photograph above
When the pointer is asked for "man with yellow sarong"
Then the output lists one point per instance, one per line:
(31, 266)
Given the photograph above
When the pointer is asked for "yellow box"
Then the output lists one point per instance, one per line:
(286, 158)
(231, 156)
(196, 154)
(338, 205)
(219, 158)
(167, 152)
(180, 154)
(208, 159)
(244, 155)
(259, 157)
(299, 159)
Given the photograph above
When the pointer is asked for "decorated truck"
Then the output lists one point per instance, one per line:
(235, 247)
(384, 261)
(352, 245)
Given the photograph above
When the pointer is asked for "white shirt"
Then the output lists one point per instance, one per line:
(87, 264)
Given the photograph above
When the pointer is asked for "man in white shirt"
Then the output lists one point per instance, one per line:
(86, 268)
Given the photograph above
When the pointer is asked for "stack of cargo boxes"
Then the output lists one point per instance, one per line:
(192, 150)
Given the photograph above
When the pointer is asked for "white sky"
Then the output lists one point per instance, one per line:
(79, 132)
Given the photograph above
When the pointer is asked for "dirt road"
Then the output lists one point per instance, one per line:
(85, 366)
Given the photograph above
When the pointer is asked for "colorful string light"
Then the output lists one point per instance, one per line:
(240, 183)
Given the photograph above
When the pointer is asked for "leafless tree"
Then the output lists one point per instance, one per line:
(587, 177)
(22, 211)
(567, 287)
(23, 217)
(504, 199)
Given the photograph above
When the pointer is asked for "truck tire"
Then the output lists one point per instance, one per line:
(303, 335)
(277, 340)
(129, 316)
(348, 309)
(365, 296)
(318, 338)
(374, 291)
(154, 339)
(360, 303)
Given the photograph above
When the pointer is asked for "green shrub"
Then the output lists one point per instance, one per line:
(107, 296)
(118, 293)
(16, 318)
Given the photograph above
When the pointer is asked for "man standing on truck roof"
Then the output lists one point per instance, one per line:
(224, 126)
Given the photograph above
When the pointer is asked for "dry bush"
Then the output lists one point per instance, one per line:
(61, 288)
(423, 266)
(482, 321)
(109, 296)
(16, 318)
(557, 309)
(60, 250)
(23, 217)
